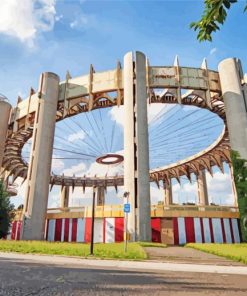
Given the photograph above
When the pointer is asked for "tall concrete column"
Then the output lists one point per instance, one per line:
(40, 161)
(136, 162)
(230, 72)
(168, 193)
(5, 109)
(100, 196)
(202, 188)
(65, 197)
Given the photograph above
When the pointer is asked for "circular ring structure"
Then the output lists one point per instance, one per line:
(105, 89)
(109, 159)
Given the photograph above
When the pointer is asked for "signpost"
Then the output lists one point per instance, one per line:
(126, 211)
(92, 224)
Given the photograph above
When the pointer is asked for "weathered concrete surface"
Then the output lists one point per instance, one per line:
(48, 275)
(188, 255)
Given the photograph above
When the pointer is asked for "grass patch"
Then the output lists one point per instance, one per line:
(152, 245)
(113, 251)
(236, 252)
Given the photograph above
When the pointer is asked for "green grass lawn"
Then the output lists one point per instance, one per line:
(114, 250)
(236, 252)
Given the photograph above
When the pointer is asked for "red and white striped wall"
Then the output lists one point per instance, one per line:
(109, 230)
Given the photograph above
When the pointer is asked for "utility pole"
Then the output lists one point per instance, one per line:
(92, 224)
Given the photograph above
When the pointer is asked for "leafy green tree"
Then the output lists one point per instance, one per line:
(214, 15)
(240, 178)
(6, 211)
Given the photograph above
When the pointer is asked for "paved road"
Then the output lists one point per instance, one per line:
(26, 275)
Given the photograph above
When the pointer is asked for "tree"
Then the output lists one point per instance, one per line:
(6, 211)
(214, 15)
(240, 179)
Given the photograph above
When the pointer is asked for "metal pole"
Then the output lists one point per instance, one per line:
(126, 195)
(92, 224)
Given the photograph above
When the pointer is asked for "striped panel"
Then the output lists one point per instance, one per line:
(66, 229)
(155, 224)
(98, 231)
(189, 228)
(119, 229)
(223, 230)
(13, 230)
(202, 230)
(181, 231)
(74, 230)
(175, 229)
(206, 228)
(51, 230)
(58, 230)
(80, 235)
(62, 230)
(211, 230)
(109, 230)
(217, 230)
(197, 230)
(226, 223)
(88, 230)
(235, 230)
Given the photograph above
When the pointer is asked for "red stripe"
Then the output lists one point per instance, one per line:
(231, 230)
(202, 230)
(223, 230)
(155, 224)
(119, 229)
(13, 231)
(66, 230)
(175, 227)
(211, 230)
(58, 230)
(88, 226)
(74, 229)
(18, 230)
(189, 229)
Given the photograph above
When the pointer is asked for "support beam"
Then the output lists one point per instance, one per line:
(5, 109)
(100, 196)
(168, 193)
(40, 159)
(136, 163)
(230, 72)
(202, 188)
(65, 197)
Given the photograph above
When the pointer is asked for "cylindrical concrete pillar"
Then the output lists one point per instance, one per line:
(40, 161)
(5, 109)
(235, 105)
(130, 163)
(65, 197)
(168, 193)
(202, 188)
(136, 159)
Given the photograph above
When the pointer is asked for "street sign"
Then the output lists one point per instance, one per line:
(127, 208)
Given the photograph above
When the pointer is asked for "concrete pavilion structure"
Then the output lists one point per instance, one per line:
(222, 93)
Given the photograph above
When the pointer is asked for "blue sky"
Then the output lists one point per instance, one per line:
(49, 35)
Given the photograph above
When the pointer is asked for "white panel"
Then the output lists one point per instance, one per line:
(181, 231)
(206, 228)
(51, 230)
(80, 234)
(235, 230)
(217, 230)
(227, 230)
(198, 232)
(62, 231)
(110, 230)
(98, 231)
(70, 229)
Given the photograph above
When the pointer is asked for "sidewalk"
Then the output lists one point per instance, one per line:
(130, 265)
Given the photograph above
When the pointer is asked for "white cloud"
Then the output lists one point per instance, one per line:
(76, 136)
(26, 18)
(82, 21)
(57, 164)
(213, 51)
(78, 169)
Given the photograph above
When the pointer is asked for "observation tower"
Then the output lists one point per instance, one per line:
(133, 87)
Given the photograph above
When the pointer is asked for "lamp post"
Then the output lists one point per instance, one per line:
(126, 195)
(92, 224)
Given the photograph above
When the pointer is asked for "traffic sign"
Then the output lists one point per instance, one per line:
(127, 208)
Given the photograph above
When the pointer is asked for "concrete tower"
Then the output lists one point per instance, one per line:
(231, 78)
(40, 159)
(136, 149)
